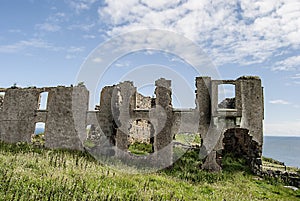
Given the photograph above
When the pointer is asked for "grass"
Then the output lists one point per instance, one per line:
(30, 173)
(272, 164)
(188, 138)
(139, 148)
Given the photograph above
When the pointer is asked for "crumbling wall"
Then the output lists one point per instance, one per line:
(185, 121)
(104, 114)
(203, 104)
(66, 117)
(164, 113)
(164, 117)
(239, 143)
(247, 113)
(227, 103)
(123, 105)
(143, 102)
(113, 122)
(252, 106)
(17, 117)
(140, 131)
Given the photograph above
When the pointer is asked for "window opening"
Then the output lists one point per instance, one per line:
(2, 94)
(226, 96)
(38, 138)
(141, 137)
(43, 101)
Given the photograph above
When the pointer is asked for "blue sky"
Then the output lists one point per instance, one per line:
(46, 42)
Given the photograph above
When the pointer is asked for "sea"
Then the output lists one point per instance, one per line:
(284, 149)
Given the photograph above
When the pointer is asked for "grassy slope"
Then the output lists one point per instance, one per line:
(27, 173)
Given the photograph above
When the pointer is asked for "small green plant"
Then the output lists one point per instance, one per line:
(232, 164)
(139, 148)
(38, 140)
(89, 144)
(14, 86)
(80, 84)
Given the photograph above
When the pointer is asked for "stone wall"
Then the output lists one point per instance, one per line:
(164, 113)
(252, 106)
(64, 118)
(124, 116)
(123, 101)
(143, 102)
(140, 131)
(247, 114)
(104, 115)
(17, 119)
(238, 143)
(203, 103)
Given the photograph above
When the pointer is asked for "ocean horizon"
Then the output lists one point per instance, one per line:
(283, 148)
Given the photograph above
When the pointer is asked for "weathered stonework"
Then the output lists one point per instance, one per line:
(140, 131)
(143, 102)
(240, 144)
(124, 116)
(65, 116)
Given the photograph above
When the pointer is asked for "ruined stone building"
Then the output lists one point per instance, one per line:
(124, 116)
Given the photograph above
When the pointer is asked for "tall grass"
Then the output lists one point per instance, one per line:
(30, 173)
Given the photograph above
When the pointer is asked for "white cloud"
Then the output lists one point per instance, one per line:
(15, 31)
(89, 36)
(75, 49)
(82, 27)
(68, 56)
(244, 32)
(81, 5)
(123, 64)
(24, 44)
(280, 102)
(288, 64)
(57, 17)
(97, 60)
(283, 128)
(297, 76)
(52, 23)
(159, 5)
(73, 52)
(296, 82)
(48, 27)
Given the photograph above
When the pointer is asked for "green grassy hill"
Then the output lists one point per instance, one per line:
(29, 173)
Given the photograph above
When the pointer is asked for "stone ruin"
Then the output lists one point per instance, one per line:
(124, 116)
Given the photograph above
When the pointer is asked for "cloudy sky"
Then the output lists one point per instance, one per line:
(46, 42)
